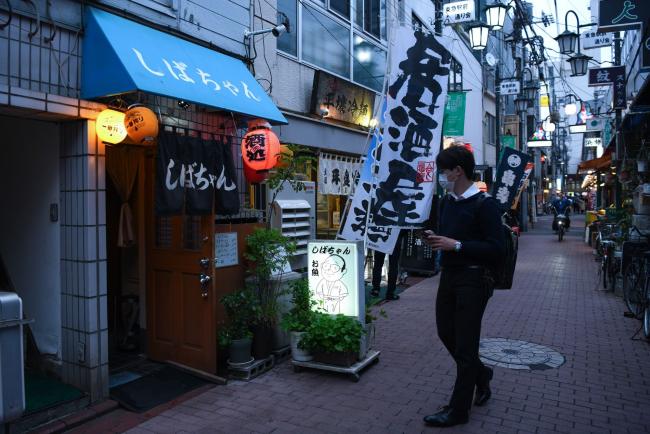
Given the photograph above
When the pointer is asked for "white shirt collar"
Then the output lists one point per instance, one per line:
(471, 191)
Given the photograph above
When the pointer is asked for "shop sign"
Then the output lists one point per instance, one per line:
(405, 181)
(511, 87)
(615, 15)
(453, 123)
(615, 76)
(592, 39)
(459, 12)
(645, 51)
(592, 142)
(510, 174)
(595, 124)
(335, 278)
(338, 175)
(225, 249)
(194, 176)
(341, 100)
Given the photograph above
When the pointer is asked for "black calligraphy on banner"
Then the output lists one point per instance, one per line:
(510, 174)
(190, 173)
(415, 107)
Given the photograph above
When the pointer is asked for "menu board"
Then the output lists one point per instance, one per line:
(225, 249)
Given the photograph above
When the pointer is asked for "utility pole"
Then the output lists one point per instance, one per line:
(497, 121)
(523, 135)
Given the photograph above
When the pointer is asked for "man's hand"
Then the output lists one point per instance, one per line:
(441, 243)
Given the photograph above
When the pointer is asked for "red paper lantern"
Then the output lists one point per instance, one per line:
(253, 176)
(260, 148)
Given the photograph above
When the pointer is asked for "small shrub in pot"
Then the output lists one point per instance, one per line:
(333, 339)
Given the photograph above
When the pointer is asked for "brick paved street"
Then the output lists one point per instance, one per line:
(604, 385)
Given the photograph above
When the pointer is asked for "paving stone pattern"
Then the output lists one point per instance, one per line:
(603, 386)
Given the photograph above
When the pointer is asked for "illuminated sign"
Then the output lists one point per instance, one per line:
(336, 276)
(334, 98)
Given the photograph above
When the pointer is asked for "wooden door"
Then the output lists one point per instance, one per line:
(181, 324)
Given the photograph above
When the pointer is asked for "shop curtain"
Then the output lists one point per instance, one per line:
(122, 166)
(337, 174)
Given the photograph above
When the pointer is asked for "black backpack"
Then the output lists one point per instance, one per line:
(504, 270)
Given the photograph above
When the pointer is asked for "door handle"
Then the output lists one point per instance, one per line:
(204, 279)
(204, 263)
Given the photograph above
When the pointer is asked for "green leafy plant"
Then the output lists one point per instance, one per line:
(300, 316)
(370, 317)
(242, 308)
(332, 334)
(269, 252)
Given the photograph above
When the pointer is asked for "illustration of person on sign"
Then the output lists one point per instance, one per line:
(330, 289)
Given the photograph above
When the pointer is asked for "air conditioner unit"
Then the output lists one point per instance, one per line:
(294, 213)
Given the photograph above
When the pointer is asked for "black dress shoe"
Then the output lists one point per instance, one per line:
(446, 417)
(392, 297)
(483, 392)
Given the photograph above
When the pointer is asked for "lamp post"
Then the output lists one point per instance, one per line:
(478, 35)
(567, 41)
(495, 15)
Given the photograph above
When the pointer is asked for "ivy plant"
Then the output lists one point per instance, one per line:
(332, 334)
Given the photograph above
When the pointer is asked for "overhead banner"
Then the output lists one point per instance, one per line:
(417, 90)
(337, 175)
(510, 175)
(453, 123)
(191, 173)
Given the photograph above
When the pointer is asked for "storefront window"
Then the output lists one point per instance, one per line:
(325, 41)
(455, 76)
(369, 63)
(288, 42)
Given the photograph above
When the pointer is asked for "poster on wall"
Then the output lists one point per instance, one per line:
(415, 101)
(225, 249)
(191, 173)
(335, 278)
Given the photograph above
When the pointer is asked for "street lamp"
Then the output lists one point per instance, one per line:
(495, 15)
(548, 125)
(478, 36)
(579, 63)
(571, 107)
(521, 104)
(567, 41)
(531, 87)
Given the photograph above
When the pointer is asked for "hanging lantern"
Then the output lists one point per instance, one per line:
(109, 126)
(260, 148)
(478, 36)
(141, 124)
(284, 159)
(253, 176)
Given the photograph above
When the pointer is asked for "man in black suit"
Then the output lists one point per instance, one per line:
(470, 240)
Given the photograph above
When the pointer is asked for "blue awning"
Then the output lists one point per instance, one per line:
(121, 56)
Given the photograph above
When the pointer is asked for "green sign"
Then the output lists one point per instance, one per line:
(453, 123)
(507, 141)
(607, 133)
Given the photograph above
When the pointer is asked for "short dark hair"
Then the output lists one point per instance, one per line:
(454, 156)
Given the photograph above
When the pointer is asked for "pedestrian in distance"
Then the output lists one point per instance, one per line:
(469, 236)
(393, 269)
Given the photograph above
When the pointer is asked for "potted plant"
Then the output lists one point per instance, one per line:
(368, 338)
(268, 251)
(242, 309)
(333, 339)
(298, 319)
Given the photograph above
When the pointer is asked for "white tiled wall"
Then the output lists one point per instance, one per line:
(83, 256)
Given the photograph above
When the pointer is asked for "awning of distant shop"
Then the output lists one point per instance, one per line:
(122, 56)
(596, 164)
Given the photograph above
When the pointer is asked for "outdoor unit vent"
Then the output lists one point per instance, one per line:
(293, 218)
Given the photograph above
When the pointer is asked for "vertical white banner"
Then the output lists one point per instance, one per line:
(324, 176)
(415, 103)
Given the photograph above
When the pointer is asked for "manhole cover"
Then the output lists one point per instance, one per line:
(514, 354)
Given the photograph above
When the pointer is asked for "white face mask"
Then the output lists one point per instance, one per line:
(445, 183)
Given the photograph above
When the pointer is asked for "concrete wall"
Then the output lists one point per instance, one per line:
(29, 241)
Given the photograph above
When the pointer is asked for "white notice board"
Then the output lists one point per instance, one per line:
(225, 249)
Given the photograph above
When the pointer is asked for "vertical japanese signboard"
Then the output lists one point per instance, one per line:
(454, 119)
(510, 174)
(417, 90)
(614, 76)
(335, 278)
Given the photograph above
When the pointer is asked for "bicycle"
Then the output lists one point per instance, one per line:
(636, 286)
(607, 247)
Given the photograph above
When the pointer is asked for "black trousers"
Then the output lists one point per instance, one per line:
(393, 263)
(462, 297)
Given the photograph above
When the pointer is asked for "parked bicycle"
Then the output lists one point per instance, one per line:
(609, 250)
(636, 285)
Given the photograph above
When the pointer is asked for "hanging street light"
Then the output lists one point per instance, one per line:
(495, 15)
(530, 90)
(548, 125)
(579, 63)
(521, 104)
(567, 40)
(478, 36)
(571, 107)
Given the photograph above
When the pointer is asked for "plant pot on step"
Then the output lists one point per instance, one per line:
(240, 351)
(262, 341)
(344, 358)
(296, 353)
